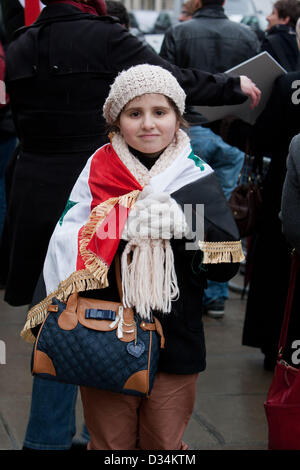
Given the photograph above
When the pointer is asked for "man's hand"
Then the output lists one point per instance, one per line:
(251, 90)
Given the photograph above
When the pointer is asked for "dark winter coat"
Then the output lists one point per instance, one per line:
(290, 203)
(290, 215)
(59, 72)
(270, 253)
(210, 42)
(281, 43)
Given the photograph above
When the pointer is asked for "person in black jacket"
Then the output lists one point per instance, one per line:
(271, 136)
(209, 41)
(269, 254)
(8, 138)
(280, 41)
(12, 17)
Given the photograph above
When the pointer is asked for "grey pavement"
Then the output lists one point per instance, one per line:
(229, 411)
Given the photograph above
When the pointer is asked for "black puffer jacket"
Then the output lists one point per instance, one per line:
(209, 41)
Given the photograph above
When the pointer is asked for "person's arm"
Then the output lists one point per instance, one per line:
(202, 88)
(290, 205)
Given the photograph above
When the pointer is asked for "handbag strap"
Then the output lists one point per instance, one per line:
(73, 298)
(118, 276)
(289, 302)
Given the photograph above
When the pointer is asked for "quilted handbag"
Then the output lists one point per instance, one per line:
(282, 406)
(98, 344)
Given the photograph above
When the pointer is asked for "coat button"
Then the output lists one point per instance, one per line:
(54, 68)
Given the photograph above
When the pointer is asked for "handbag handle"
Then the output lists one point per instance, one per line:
(289, 302)
(118, 276)
(73, 298)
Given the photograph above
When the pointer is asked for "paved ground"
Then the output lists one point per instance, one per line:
(229, 412)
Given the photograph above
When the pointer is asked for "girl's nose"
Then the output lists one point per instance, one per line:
(148, 122)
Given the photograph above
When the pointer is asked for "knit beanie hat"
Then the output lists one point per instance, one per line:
(137, 81)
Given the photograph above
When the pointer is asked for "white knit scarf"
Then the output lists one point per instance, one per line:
(149, 280)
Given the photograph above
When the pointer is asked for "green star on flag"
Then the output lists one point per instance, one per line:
(198, 161)
(69, 206)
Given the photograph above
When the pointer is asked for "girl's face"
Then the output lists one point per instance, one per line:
(148, 123)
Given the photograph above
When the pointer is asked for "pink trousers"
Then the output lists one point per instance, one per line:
(124, 422)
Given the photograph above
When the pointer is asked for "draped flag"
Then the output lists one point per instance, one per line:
(32, 9)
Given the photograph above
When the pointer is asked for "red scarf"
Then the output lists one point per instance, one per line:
(31, 11)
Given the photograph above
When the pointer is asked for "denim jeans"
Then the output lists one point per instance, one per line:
(215, 290)
(225, 160)
(227, 163)
(6, 150)
(52, 421)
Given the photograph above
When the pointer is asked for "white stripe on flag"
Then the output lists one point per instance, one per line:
(67, 229)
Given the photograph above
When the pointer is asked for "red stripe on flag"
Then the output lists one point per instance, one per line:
(32, 11)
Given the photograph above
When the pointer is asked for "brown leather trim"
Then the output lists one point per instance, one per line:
(52, 308)
(99, 325)
(67, 320)
(156, 326)
(149, 362)
(104, 325)
(147, 326)
(159, 330)
(36, 343)
(138, 382)
(43, 364)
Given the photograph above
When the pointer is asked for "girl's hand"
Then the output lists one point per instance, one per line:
(155, 216)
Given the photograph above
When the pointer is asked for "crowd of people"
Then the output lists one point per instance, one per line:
(76, 72)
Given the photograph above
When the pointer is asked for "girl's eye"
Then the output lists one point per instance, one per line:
(134, 114)
(159, 112)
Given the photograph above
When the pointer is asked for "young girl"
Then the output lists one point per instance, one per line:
(146, 175)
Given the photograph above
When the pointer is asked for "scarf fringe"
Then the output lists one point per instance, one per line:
(221, 252)
(94, 264)
(149, 281)
(78, 282)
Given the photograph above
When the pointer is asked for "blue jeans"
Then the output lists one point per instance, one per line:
(52, 421)
(6, 149)
(227, 163)
(215, 290)
(225, 160)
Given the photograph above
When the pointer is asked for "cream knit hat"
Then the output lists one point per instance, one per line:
(137, 81)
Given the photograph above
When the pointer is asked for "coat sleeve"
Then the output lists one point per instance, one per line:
(215, 231)
(290, 206)
(202, 88)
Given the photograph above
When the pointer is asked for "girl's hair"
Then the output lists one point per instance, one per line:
(114, 127)
(182, 122)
